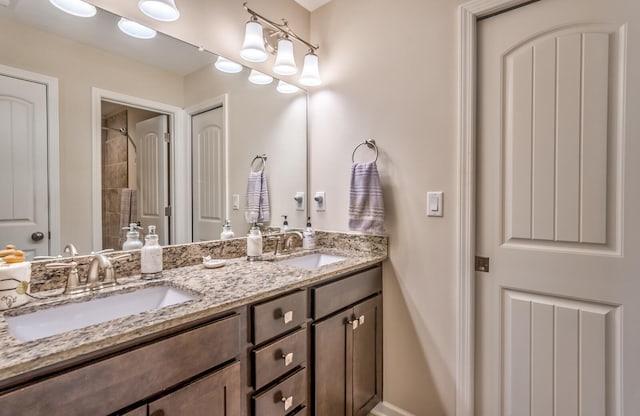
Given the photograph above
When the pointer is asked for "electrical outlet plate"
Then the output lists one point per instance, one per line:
(299, 199)
(320, 200)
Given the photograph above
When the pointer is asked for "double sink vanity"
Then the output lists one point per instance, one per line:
(298, 334)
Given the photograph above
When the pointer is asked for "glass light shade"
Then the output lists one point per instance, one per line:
(227, 65)
(136, 30)
(285, 62)
(259, 78)
(162, 10)
(75, 7)
(310, 74)
(253, 47)
(286, 88)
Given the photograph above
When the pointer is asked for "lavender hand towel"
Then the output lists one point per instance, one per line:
(366, 205)
(258, 196)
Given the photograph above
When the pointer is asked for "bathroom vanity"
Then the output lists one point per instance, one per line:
(263, 338)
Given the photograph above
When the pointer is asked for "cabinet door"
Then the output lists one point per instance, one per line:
(367, 356)
(215, 394)
(330, 364)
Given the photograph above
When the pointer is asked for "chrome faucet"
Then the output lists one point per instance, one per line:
(93, 280)
(71, 249)
(286, 239)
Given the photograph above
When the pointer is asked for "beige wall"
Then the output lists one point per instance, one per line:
(260, 121)
(389, 72)
(78, 68)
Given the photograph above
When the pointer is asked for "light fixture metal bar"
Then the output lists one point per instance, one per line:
(284, 28)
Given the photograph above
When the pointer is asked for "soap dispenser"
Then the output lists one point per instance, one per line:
(309, 240)
(227, 232)
(285, 224)
(151, 256)
(133, 237)
(254, 244)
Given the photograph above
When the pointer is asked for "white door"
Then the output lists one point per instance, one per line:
(153, 166)
(558, 204)
(24, 205)
(208, 178)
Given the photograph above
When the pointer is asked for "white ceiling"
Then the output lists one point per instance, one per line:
(311, 5)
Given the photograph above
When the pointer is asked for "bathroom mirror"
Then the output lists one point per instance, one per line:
(108, 85)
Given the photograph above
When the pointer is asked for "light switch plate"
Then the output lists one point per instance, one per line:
(434, 204)
(236, 202)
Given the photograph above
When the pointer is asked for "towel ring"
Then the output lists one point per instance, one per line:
(263, 159)
(371, 144)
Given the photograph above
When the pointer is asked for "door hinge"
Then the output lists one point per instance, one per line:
(167, 137)
(167, 211)
(482, 264)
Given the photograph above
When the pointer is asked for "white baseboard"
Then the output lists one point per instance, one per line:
(387, 409)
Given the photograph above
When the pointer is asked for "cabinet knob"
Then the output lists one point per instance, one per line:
(288, 359)
(287, 317)
(158, 412)
(288, 402)
(361, 320)
(353, 321)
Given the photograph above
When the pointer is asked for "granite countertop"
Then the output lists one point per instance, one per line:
(237, 283)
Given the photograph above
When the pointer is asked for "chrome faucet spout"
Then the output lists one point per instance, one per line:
(286, 239)
(100, 262)
(71, 249)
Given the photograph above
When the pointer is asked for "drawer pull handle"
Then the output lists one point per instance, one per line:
(361, 320)
(288, 359)
(353, 322)
(288, 402)
(287, 317)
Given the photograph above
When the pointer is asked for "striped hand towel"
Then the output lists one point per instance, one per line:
(366, 205)
(257, 196)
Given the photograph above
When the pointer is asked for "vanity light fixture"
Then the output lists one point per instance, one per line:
(257, 77)
(278, 38)
(75, 7)
(286, 88)
(253, 49)
(162, 10)
(135, 29)
(226, 65)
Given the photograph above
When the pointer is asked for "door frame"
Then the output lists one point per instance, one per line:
(177, 199)
(210, 104)
(468, 15)
(53, 153)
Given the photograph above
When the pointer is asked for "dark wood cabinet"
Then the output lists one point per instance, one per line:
(215, 394)
(116, 381)
(279, 356)
(347, 353)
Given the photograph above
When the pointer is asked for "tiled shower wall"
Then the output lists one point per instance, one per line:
(114, 178)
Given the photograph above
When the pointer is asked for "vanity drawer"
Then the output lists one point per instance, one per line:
(275, 359)
(337, 295)
(284, 397)
(278, 316)
(120, 380)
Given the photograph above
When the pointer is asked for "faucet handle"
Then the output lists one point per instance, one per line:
(73, 279)
(277, 239)
(110, 273)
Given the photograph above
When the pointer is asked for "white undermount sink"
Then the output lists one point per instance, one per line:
(312, 261)
(67, 317)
